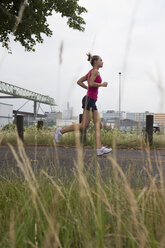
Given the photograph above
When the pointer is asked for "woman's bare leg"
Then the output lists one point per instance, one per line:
(82, 126)
(98, 126)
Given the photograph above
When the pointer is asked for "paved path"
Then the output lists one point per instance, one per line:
(46, 157)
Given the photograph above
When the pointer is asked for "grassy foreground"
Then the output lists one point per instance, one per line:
(86, 211)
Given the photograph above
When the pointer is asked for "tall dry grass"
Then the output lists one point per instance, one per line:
(87, 210)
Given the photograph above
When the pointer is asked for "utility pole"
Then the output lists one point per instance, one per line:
(119, 97)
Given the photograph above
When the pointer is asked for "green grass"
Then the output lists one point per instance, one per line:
(86, 210)
(32, 136)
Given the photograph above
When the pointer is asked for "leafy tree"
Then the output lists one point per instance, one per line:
(33, 22)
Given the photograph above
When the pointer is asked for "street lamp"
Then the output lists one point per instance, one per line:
(119, 97)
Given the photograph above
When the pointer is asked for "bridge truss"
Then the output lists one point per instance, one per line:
(17, 92)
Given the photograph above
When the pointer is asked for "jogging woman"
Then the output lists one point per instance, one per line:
(89, 103)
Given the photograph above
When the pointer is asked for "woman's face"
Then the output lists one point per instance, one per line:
(99, 62)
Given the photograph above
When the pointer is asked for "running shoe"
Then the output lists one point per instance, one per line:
(57, 135)
(106, 150)
(103, 150)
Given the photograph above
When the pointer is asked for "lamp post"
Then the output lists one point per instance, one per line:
(119, 97)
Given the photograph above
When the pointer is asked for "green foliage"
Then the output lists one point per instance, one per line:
(41, 137)
(110, 137)
(9, 127)
(34, 20)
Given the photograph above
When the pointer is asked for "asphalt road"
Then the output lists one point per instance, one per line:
(63, 159)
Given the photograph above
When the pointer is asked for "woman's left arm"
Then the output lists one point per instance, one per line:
(81, 80)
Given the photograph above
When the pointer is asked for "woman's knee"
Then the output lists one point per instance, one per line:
(84, 126)
(98, 124)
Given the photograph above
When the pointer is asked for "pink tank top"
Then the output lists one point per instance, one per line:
(93, 91)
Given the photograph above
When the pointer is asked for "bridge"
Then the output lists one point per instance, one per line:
(13, 91)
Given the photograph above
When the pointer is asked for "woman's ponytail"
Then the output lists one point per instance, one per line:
(92, 58)
(89, 56)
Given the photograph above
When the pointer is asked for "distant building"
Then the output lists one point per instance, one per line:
(138, 117)
(68, 113)
(111, 115)
(63, 123)
(59, 115)
(159, 119)
(128, 125)
(28, 117)
(131, 116)
(6, 114)
(128, 120)
(111, 118)
(50, 118)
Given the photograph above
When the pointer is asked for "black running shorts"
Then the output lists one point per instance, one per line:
(89, 103)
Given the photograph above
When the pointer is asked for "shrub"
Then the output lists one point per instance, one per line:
(9, 127)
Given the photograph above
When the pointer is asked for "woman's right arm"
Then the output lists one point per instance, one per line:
(92, 82)
(81, 80)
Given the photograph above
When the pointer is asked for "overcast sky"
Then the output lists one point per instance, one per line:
(129, 35)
